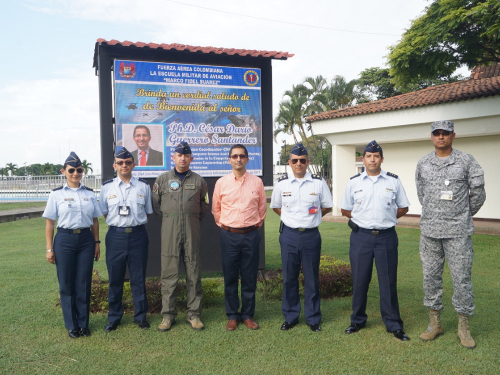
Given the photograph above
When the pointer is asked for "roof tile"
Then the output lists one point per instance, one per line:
(208, 50)
(447, 93)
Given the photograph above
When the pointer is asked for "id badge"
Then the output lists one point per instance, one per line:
(313, 210)
(447, 195)
(124, 211)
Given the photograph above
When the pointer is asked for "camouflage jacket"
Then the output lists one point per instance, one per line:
(460, 174)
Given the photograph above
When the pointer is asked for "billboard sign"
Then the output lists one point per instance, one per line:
(158, 105)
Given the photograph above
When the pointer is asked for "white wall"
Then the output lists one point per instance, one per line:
(405, 137)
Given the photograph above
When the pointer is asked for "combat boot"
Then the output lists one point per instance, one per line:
(434, 329)
(464, 333)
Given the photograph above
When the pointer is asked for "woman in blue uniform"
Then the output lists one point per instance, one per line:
(75, 245)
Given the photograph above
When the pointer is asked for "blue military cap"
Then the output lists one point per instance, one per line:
(123, 153)
(73, 160)
(299, 150)
(183, 148)
(443, 125)
(373, 146)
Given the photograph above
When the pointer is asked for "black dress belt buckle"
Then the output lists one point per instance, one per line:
(76, 231)
(375, 232)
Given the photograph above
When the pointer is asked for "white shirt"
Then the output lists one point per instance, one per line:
(136, 195)
(374, 204)
(73, 209)
(298, 198)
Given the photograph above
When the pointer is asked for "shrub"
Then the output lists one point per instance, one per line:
(212, 293)
(335, 280)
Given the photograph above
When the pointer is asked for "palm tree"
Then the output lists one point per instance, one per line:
(340, 94)
(46, 168)
(86, 166)
(12, 168)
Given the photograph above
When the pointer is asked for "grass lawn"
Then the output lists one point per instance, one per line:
(33, 338)
(16, 205)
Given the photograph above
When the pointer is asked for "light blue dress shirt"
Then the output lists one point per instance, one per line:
(296, 199)
(374, 204)
(73, 209)
(136, 195)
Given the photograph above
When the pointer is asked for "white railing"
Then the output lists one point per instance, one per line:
(38, 188)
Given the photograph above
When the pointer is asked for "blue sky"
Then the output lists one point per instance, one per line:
(49, 92)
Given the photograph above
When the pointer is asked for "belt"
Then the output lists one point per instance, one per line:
(137, 228)
(376, 231)
(301, 229)
(239, 230)
(73, 231)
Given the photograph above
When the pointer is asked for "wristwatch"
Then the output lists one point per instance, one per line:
(97, 241)
(49, 251)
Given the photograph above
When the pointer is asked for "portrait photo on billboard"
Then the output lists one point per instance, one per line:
(209, 107)
(146, 144)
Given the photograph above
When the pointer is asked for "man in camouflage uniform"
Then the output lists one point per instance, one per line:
(450, 187)
(181, 197)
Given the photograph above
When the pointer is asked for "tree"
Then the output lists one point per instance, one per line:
(451, 34)
(12, 168)
(46, 168)
(340, 94)
(86, 166)
(4, 172)
(377, 84)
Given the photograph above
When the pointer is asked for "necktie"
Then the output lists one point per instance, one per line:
(143, 158)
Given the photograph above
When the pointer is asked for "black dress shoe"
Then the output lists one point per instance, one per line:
(315, 327)
(287, 326)
(84, 332)
(143, 324)
(111, 327)
(400, 335)
(73, 333)
(353, 328)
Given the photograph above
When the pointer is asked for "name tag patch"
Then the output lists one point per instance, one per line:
(189, 186)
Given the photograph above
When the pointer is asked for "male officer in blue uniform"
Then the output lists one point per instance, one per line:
(301, 200)
(373, 201)
(125, 202)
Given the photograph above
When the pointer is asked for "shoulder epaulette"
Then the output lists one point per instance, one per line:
(87, 188)
(58, 188)
(107, 182)
(392, 175)
(143, 180)
(316, 176)
(285, 177)
(359, 174)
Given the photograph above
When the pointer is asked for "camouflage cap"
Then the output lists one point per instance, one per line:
(443, 125)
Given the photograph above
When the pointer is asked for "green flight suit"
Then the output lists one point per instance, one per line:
(182, 204)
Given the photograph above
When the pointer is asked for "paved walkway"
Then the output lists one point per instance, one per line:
(480, 226)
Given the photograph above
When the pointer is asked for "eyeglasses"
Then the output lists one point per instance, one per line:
(437, 133)
(236, 156)
(72, 170)
(302, 161)
(128, 162)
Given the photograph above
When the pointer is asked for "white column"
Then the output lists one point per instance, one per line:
(343, 166)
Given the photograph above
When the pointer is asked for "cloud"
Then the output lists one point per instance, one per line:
(44, 119)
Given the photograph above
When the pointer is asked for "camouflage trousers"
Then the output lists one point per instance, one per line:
(458, 253)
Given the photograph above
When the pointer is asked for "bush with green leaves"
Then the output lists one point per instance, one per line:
(212, 294)
(335, 280)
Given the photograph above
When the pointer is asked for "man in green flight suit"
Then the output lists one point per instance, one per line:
(181, 197)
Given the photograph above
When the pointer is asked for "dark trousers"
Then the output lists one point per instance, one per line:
(296, 248)
(122, 249)
(384, 248)
(240, 257)
(74, 262)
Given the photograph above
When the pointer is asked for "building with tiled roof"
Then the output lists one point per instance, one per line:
(401, 125)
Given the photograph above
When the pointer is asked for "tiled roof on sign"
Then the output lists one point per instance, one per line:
(447, 93)
(209, 50)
